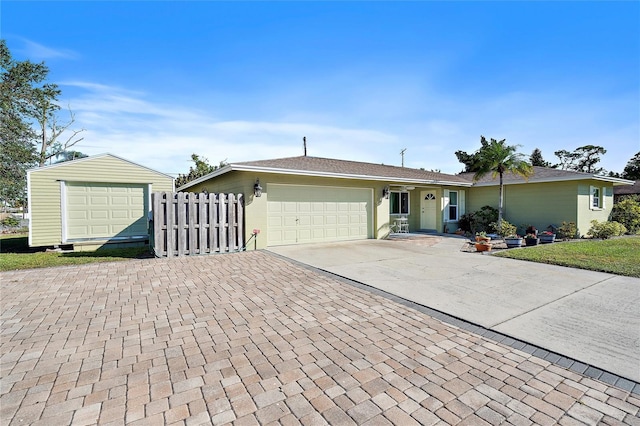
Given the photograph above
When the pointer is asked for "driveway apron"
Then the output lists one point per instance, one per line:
(588, 316)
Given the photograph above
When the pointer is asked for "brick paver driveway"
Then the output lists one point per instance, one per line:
(252, 338)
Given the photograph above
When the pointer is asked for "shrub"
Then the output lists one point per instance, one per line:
(606, 230)
(567, 230)
(627, 212)
(479, 220)
(10, 222)
(504, 228)
(466, 222)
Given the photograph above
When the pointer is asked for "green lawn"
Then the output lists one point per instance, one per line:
(16, 254)
(619, 256)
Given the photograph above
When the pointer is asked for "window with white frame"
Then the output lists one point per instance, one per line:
(453, 205)
(399, 202)
(596, 198)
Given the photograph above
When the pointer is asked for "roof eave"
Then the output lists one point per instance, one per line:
(259, 169)
(215, 173)
(93, 157)
(615, 181)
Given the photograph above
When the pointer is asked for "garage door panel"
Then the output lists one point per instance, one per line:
(120, 214)
(102, 210)
(299, 214)
(99, 214)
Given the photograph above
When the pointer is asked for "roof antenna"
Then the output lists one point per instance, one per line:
(402, 153)
(304, 141)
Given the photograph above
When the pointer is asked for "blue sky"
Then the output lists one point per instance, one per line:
(155, 82)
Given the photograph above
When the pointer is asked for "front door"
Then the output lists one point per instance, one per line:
(428, 209)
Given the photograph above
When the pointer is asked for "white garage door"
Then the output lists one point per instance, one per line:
(101, 211)
(308, 214)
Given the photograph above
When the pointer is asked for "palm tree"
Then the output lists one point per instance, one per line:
(496, 157)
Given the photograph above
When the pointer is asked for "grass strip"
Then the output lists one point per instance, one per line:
(16, 254)
(620, 256)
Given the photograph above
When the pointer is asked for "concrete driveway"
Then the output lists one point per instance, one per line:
(592, 317)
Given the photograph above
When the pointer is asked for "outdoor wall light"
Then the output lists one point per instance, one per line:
(385, 192)
(257, 189)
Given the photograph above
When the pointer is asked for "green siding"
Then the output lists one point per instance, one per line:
(45, 196)
(543, 204)
(585, 213)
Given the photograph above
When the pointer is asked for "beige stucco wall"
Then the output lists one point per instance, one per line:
(45, 227)
(543, 204)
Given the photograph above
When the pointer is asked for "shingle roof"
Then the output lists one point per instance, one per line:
(352, 168)
(540, 174)
(627, 189)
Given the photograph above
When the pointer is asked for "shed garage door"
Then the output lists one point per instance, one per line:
(105, 211)
(308, 214)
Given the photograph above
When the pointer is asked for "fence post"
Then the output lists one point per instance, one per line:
(231, 221)
(202, 216)
(240, 219)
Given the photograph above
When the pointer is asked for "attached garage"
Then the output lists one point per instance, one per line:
(297, 200)
(93, 201)
(308, 214)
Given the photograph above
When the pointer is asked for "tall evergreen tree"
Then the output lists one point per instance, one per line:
(536, 159)
(632, 169)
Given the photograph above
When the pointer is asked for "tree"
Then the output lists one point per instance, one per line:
(202, 168)
(498, 158)
(470, 161)
(29, 127)
(536, 159)
(632, 169)
(69, 156)
(17, 135)
(583, 159)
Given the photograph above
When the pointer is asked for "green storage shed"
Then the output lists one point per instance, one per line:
(91, 202)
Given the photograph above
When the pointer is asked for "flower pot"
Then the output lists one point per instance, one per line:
(547, 238)
(483, 247)
(532, 241)
(513, 242)
(480, 239)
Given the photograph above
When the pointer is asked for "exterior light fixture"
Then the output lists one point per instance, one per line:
(257, 189)
(385, 192)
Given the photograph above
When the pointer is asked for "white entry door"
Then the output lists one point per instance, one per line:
(428, 209)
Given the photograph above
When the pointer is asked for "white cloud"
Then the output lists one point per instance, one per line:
(163, 136)
(38, 52)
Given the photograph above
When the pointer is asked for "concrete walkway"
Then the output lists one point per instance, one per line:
(588, 316)
(256, 339)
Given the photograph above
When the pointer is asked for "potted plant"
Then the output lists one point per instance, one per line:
(482, 236)
(531, 239)
(547, 237)
(483, 245)
(513, 240)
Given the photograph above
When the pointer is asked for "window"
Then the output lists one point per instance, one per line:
(399, 202)
(453, 205)
(597, 198)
